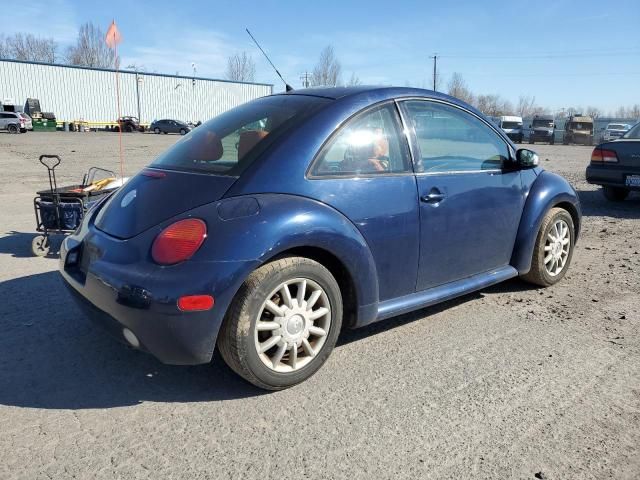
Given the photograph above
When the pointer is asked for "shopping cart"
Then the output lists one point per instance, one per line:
(60, 210)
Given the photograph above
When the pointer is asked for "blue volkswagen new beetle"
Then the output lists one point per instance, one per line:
(267, 229)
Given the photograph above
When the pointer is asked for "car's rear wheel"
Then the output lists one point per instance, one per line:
(13, 128)
(615, 194)
(553, 248)
(283, 323)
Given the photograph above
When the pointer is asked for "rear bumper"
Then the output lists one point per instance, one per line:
(611, 175)
(142, 297)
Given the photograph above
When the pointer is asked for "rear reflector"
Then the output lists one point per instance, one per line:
(195, 303)
(179, 241)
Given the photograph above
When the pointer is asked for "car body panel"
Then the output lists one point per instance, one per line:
(373, 226)
(477, 221)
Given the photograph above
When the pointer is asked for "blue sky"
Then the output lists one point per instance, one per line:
(564, 52)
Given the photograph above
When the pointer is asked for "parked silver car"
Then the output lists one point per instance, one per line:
(12, 122)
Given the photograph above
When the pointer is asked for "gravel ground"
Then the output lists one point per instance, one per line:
(511, 382)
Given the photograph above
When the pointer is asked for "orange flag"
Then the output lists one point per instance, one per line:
(113, 36)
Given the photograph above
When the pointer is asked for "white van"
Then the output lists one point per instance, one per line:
(512, 126)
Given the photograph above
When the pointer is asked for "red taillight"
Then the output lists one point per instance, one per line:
(600, 155)
(195, 303)
(179, 241)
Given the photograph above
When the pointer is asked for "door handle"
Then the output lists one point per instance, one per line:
(434, 196)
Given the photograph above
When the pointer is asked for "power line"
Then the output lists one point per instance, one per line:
(545, 55)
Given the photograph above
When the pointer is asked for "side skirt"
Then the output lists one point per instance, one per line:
(442, 293)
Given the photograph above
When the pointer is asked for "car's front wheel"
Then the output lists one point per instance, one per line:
(156, 131)
(283, 323)
(553, 248)
(615, 194)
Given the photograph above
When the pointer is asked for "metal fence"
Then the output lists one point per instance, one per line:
(89, 94)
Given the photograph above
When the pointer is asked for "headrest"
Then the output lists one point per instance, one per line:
(205, 147)
(248, 140)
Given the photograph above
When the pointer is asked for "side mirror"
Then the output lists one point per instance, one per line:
(527, 158)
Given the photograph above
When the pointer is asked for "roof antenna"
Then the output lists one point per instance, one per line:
(287, 87)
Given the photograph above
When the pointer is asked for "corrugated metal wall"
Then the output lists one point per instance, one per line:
(90, 94)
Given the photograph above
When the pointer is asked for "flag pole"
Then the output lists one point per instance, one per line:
(112, 39)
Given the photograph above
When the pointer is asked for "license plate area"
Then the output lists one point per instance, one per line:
(632, 181)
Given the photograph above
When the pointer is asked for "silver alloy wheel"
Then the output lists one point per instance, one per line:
(556, 247)
(292, 325)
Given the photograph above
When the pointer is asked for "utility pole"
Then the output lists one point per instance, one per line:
(435, 69)
(305, 79)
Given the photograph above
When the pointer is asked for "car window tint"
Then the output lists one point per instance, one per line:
(450, 139)
(368, 144)
(230, 142)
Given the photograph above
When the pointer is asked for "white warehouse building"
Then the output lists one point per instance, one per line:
(89, 94)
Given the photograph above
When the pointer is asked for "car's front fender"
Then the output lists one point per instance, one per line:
(547, 191)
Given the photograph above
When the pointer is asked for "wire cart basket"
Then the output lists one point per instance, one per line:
(60, 210)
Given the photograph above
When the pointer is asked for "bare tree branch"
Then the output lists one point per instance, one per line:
(327, 70)
(29, 48)
(241, 68)
(90, 49)
(457, 87)
(353, 81)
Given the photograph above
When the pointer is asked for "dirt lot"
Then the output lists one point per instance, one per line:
(511, 382)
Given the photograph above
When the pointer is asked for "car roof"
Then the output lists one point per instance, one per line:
(372, 94)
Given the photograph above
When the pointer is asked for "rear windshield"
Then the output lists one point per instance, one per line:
(634, 133)
(511, 124)
(616, 126)
(230, 142)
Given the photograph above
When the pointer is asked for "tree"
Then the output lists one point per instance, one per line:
(327, 70)
(353, 81)
(241, 68)
(494, 105)
(526, 106)
(593, 112)
(634, 112)
(90, 49)
(457, 87)
(29, 48)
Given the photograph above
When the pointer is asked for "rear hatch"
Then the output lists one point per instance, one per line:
(155, 195)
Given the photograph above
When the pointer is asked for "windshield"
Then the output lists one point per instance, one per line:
(543, 123)
(230, 142)
(634, 133)
(511, 124)
(580, 126)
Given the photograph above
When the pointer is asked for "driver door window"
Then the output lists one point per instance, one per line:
(370, 144)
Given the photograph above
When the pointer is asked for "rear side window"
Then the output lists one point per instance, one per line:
(370, 144)
(229, 143)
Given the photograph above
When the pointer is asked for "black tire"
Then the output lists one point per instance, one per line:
(552, 142)
(128, 128)
(156, 131)
(40, 246)
(531, 141)
(183, 131)
(538, 274)
(13, 129)
(565, 141)
(236, 336)
(615, 194)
